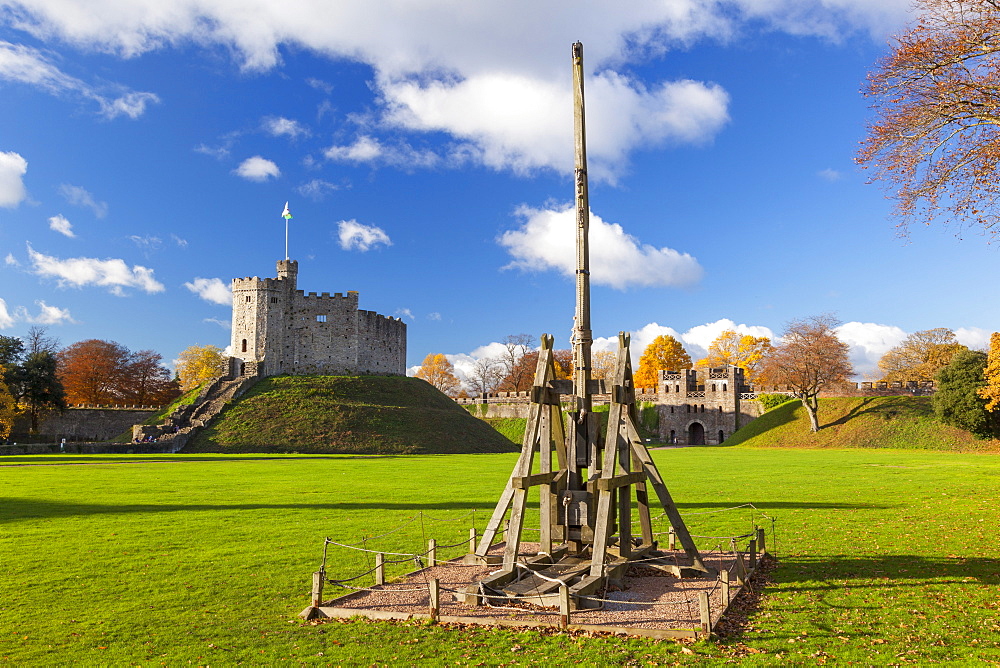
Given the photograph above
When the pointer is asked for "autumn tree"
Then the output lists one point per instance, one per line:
(563, 362)
(439, 372)
(200, 364)
(665, 353)
(603, 364)
(935, 139)
(957, 401)
(809, 358)
(148, 382)
(486, 375)
(743, 350)
(8, 409)
(920, 355)
(93, 371)
(991, 376)
(517, 376)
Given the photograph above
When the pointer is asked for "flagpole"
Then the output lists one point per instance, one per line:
(286, 238)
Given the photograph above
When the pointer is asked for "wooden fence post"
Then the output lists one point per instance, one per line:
(434, 589)
(379, 568)
(741, 569)
(564, 606)
(672, 539)
(724, 575)
(760, 541)
(432, 552)
(472, 540)
(752, 549)
(317, 589)
(706, 614)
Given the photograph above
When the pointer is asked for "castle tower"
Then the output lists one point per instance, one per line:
(279, 329)
(261, 311)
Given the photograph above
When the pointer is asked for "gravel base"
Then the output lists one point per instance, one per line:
(649, 599)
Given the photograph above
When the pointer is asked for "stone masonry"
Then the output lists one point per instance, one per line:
(278, 329)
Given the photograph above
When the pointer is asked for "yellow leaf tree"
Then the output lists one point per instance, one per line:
(7, 409)
(920, 355)
(992, 372)
(200, 364)
(439, 372)
(664, 353)
(742, 350)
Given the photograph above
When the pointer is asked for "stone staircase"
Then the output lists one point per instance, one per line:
(180, 426)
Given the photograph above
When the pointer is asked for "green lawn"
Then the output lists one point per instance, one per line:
(886, 557)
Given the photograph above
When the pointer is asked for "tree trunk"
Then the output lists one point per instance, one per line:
(811, 406)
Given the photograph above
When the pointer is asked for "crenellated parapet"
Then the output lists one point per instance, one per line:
(279, 329)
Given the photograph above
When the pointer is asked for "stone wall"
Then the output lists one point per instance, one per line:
(84, 424)
(284, 330)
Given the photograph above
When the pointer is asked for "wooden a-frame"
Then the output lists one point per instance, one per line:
(620, 466)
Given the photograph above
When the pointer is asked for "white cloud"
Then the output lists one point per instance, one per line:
(11, 261)
(79, 196)
(316, 189)
(224, 324)
(182, 243)
(520, 122)
(23, 64)
(546, 240)
(212, 290)
(217, 152)
(405, 313)
(279, 126)
(12, 170)
(58, 223)
(147, 243)
(355, 236)
(434, 316)
(258, 169)
(868, 342)
(114, 274)
(830, 174)
(49, 315)
(6, 319)
(367, 149)
(973, 337)
(478, 73)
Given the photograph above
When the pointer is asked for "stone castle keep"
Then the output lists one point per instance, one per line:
(278, 329)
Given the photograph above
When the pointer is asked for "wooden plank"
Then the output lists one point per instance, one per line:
(535, 479)
(607, 484)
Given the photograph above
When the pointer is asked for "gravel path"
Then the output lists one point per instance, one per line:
(649, 599)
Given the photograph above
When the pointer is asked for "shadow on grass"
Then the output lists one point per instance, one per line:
(16, 509)
(57, 459)
(817, 573)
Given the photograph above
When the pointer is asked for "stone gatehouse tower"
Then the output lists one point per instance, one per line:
(703, 406)
(278, 329)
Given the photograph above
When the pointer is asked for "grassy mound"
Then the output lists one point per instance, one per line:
(347, 415)
(859, 422)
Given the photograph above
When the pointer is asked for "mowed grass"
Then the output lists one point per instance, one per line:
(885, 557)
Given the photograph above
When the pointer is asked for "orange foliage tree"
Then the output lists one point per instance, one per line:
(106, 372)
(935, 139)
(439, 372)
(665, 353)
(200, 364)
(742, 350)
(809, 359)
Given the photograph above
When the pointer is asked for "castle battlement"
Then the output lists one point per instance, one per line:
(278, 329)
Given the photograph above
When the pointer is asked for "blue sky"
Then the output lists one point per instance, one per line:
(147, 150)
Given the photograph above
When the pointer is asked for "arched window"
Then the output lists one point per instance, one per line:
(722, 437)
(244, 345)
(724, 386)
(720, 409)
(688, 407)
(703, 408)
